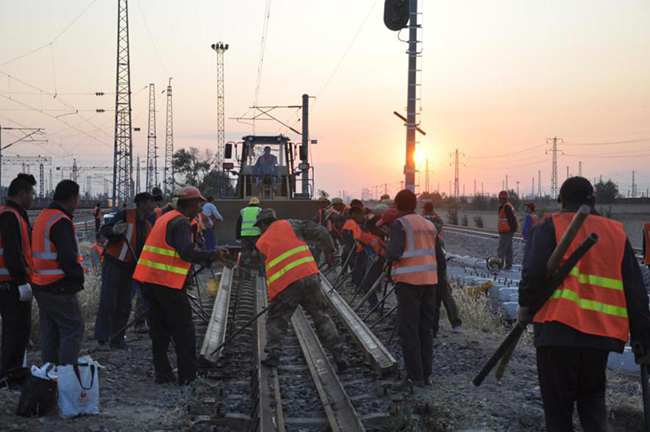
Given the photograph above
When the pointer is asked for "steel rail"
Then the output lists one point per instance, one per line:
(340, 413)
(216, 331)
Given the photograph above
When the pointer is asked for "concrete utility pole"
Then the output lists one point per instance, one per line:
(123, 149)
(304, 149)
(517, 187)
(152, 159)
(580, 168)
(539, 183)
(633, 185)
(482, 190)
(532, 190)
(554, 150)
(426, 177)
(506, 181)
(474, 187)
(414, 54)
(567, 172)
(137, 177)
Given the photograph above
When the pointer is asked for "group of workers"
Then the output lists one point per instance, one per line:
(151, 250)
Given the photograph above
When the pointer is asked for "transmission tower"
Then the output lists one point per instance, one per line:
(220, 49)
(152, 164)
(123, 150)
(75, 171)
(554, 141)
(457, 164)
(41, 183)
(169, 144)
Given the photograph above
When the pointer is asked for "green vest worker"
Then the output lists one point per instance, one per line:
(247, 232)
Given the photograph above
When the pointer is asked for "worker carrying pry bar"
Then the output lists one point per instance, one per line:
(593, 311)
(507, 226)
(417, 266)
(163, 268)
(292, 281)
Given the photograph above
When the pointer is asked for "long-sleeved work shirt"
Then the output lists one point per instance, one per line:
(140, 236)
(12, 243)
(538, 250)
(309, 231)
(63, 237)
(397, 243)
(510, 215)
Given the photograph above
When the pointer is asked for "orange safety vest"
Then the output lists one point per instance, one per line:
(46, 267)
(288, 259)
(418, 265)
(591, 299)
(504, 225)
(646, 235)
(119, 249)
(158, 212)
(159, 262)
(26, 243)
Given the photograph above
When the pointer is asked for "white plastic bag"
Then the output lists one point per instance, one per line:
(79, 388)
(47, 372)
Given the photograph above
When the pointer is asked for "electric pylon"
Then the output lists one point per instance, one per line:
(169, 144)
(152, 163)
(220, 49)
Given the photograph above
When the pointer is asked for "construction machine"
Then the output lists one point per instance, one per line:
(266, 167)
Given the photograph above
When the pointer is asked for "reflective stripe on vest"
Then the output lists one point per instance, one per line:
(646, 235)
(288, 257)
(591, 299)
(417, 265)
(248, 219)
(25, 243)
(159, 262)
(46, 266)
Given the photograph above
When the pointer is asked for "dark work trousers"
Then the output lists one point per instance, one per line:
(375, 269)
(62, 327)
(16, 326)
(98, 224)
(141, 304)
(444, 297)
(247, 249)
(504, 250)
(570, 375)
(415, 313)
(359, 267)
(171, 317)
(114, 302)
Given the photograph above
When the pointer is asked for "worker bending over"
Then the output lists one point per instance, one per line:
(292, 280)
(163, 268)
(418, 264)
(58, 277)
(126, 233)
(593, 311)
(507, 226)
(16, 270)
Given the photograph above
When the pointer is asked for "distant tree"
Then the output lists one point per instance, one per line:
(434, 197)
(606, 192)
(323, 193)
(196, 168)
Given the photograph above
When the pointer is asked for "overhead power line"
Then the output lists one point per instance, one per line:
(608, 143)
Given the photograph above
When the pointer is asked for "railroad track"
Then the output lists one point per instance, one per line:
(304, 393)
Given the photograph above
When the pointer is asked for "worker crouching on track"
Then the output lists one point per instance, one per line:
(126, 232)
(246, 230)
(507, 226)
(418, 264)
(163, 268)
(591, 313)
(292, 280)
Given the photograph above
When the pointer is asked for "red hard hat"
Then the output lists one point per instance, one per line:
(189, 192)
(531, 205)
(503, 194)
(387, 216)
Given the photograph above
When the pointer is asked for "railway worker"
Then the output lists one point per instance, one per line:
(97, 215)
(598, 305)
(531, 220)
(97, 254)
(339, 206)
(292, 280)
(211, 219)
(246, 230)
(158, 198)
(429, 214)
(507, 226)
(646, 239)
(163, 268)
(16, 270)
(126, 233)
(267, 164)
(58, 277)
(417, 266)
(362, 239)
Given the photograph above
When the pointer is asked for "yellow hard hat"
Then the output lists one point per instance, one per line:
(254, 200)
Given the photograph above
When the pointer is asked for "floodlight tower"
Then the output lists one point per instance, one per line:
(220, 48)
(169, 144)
(152, 160)
(123, 148)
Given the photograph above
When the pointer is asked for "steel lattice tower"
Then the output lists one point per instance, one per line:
(41, 172)
(152, 159)
(122, 156)
(554, 186)
(169, 144)
(220, 49)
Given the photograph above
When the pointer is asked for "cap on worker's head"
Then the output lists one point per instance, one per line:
(337, 200)
(157, 194)
(406, 200)
(189, 192)
(531, 205)
(379, 209)
(265, 215)
(504, 194)
(143, 196)
(254, 200)
(387, 216)
(389, 202)
(323, 199)
(576, 190)
(384, 197)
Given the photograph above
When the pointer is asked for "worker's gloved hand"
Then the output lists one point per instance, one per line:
(641, 354)
(119, 228)
(524, 317)
(25, 292)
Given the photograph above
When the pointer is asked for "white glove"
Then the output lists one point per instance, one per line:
(25, 292)
(119, 228)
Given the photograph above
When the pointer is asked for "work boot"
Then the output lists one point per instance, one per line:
(271, 361)
(341, 363)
